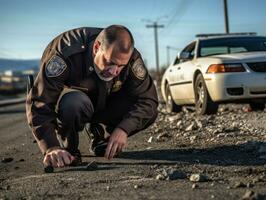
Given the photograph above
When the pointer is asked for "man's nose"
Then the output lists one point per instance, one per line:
(114, 70)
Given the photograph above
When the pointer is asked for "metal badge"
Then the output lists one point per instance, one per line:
(117, 86)
(55, 67)
(138, 69)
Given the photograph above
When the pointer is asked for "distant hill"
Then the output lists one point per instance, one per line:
(17, 64)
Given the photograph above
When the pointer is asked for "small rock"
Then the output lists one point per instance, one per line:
(136, 186)
(21, 160)
(150, 139)
(198, 178)
(239, 185)
(194, 186)
(162, 135)
(193, 138)
(160, 177)
(174, 118)
(92, 166)
(250, 195)
(178, 124)
(7, 160)
(191, 127)
(108, 188)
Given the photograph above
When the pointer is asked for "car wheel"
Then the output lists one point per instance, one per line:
(203, 101)
(171, 106)
(257, 106)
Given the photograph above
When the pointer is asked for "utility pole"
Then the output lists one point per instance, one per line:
(226, 17)
(155, 26)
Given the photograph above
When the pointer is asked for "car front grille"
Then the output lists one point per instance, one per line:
(258, 66)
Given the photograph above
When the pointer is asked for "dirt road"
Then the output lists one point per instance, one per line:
(224, 156)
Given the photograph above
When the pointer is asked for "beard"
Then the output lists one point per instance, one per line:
(102, 75)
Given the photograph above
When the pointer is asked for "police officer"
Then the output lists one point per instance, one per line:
(90, 75)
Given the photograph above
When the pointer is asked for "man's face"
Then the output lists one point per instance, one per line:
(109, 62)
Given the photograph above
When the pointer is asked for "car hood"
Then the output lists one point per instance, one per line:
(242, 57)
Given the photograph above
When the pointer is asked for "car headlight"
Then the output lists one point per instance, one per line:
(223, 68)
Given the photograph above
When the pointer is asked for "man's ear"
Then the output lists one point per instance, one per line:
(96, 46)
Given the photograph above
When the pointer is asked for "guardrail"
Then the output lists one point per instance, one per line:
(10, 102)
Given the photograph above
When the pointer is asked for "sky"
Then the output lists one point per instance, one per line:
(27, 26)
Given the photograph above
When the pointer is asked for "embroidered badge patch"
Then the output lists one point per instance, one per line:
(138, 69)
(55, 67)
(117, 86)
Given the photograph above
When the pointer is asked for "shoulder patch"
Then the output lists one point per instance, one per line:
(138, 69)
(55, 67)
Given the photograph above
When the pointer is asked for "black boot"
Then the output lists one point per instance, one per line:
(98, 136)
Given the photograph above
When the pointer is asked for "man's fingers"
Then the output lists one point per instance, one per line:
(54, 160)
(47, 160)
(66, 159)
(113, 151)
(60, 161)
(108, 149)
(119, 149)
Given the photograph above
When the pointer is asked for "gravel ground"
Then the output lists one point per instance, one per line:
(181, 156)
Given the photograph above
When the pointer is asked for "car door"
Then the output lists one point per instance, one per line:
(182, 76)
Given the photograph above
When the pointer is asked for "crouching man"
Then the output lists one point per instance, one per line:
(95, 76)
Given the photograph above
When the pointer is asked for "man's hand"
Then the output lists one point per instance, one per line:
(116, 143)
(58, 158)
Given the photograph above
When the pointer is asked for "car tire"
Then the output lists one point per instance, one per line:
(256, 106)
(203, 101)
(171, 106)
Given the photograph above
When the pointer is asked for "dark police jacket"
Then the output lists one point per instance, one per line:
(72, 50)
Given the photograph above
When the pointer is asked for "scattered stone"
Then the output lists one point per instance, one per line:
(193, 138)
(174, 118)
(136, 186)
(160, 177)
(150, 139)
(198, 178)
(108, 188)
(250, 195)
(194, 186)
(16, 168)
(191, 127)
(179, 123)
(250, 185)
(92, 166)
(162, 135)
(21, 160)
(7, 160)
(239, 185)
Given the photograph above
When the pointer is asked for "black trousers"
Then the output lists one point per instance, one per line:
(75, 109)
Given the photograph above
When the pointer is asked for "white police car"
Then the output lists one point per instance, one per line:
(217, 68)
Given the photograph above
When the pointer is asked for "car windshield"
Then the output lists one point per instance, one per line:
(231, 45)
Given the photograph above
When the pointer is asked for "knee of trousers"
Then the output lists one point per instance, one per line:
(75, 108)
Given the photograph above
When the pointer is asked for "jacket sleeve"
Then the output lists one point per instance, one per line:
(42, 99)
(140, 87)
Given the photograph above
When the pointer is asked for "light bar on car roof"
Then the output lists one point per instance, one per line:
(224, 34)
